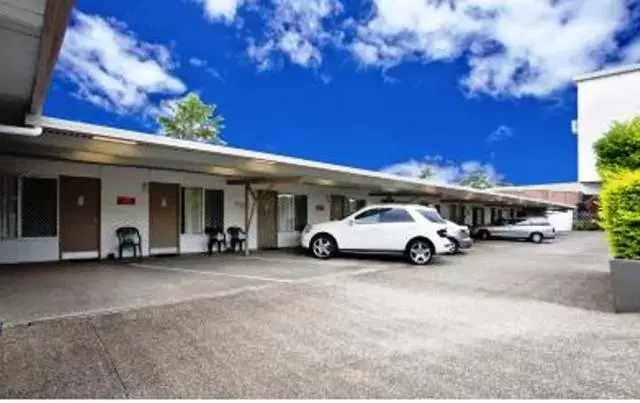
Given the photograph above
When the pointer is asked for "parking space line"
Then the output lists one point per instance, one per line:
(297, 261)
(211, 273)
(136, 306)
(348, 273)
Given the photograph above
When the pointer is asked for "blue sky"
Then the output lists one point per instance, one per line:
(457, 86)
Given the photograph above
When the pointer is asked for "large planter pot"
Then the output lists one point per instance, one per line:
(625, 281)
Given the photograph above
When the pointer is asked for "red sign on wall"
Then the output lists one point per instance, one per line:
(126, 200)
(319, 207)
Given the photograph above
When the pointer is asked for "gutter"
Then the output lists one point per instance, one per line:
(29, 131)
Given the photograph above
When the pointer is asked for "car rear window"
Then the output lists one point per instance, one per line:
(432, 216)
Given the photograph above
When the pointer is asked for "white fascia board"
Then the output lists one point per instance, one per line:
(630, 68)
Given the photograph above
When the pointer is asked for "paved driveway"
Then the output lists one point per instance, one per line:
(31, 293)
(506, 320)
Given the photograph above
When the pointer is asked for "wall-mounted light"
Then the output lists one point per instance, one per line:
(225, 171)
(112, 140)
(265, 162)
(325, 182)
(262, 166)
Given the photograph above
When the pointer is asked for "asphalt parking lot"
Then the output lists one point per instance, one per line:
(506, 320)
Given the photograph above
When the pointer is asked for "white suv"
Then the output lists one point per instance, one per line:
(414, 230)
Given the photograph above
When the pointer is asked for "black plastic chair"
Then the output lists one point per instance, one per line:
(216, 237)
(237, 237)
(129, 237)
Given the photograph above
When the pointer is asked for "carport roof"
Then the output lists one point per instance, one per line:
(80, 142)
(31, 34)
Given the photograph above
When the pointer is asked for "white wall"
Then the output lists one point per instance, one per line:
(126, 181)
(562, 221)
(318, 207)
(28, 250)
(117, 181)
(46, 248)
(600, 102)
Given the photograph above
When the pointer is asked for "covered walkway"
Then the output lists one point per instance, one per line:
(97, 179)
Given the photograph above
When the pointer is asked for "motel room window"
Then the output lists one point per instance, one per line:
(192, 210)
(214, 208)
(462, 217)
(286, 213)
(338, 207)
(494, 215)
(353, 205)
(39, 207)
(301, 212)
(292, 212)
(478, 216)
(8, 207)
(453, 213)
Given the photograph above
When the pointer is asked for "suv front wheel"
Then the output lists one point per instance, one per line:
(323, 246)
(420, 252)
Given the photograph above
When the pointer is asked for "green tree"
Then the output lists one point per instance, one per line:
(191, 119)
(477, 180)
(619, 149)
(427, 173)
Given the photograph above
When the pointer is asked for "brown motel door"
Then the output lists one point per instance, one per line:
(79, 218)
(163, 218)
(267, 219)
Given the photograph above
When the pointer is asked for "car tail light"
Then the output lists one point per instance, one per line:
(442, 233)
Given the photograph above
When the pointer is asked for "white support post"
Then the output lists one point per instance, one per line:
(247, 221)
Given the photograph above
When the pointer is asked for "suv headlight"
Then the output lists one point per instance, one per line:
(307, 229)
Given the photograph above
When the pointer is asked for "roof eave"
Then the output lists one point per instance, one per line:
(414, 183)
(56, 19)
(630, 68)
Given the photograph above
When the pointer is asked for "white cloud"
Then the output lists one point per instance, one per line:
(112, 68)
(225, 10)
(501, 133)
(194, 61)
(445, 171)
(296, 29)
(203, 64)
(515, 48)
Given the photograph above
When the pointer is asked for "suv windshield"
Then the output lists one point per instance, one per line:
(432, 216)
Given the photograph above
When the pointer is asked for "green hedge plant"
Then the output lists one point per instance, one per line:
(619, 148)
(620, 213)
(586, 225)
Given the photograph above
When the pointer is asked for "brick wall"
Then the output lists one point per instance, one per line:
(565, 197)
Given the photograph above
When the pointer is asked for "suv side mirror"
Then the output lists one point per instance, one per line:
(351, 221)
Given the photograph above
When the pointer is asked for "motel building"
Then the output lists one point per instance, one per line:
(66, 187)
(604, 97)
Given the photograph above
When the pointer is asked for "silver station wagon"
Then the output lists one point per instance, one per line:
(535, 229)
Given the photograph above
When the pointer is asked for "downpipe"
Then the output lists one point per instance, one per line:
(31, 131)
